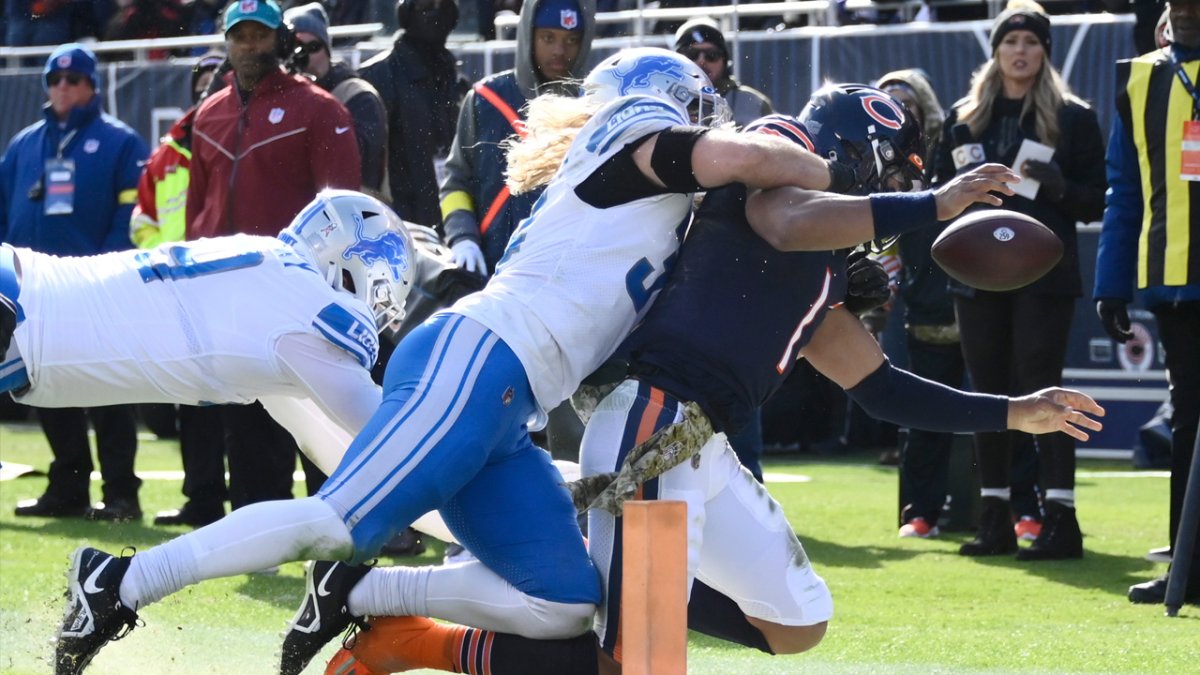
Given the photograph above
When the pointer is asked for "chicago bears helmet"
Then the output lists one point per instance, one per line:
(360, 246)
(871, 132)
(783, 126)
(663, 74)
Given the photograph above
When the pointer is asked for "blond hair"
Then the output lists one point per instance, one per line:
(551, 124)
(1044, 100)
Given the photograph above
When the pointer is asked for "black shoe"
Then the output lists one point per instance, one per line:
(94, 613)
(406, 542)
(1060, 538)
(322, 615)
(1155, 592)
(115, 510)
(996, 536)
(191, 515)
(50, 507)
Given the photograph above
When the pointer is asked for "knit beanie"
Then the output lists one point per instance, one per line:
(561, 14)
(702, 29)
(75, 58)
(1022, 17)
(310, 18)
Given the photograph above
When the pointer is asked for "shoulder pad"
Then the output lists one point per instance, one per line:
(350, 331)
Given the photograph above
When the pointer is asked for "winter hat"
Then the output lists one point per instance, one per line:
(75, 58)
(562, 14)
(310, 18)
(1022, 16)
(265, 12)
(702, 29)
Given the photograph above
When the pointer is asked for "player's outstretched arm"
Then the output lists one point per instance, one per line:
(1055, 409)
(720, 157)
(977, 186)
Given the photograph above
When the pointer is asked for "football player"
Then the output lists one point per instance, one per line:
(291, 321)
(463, 388)
(764, 263)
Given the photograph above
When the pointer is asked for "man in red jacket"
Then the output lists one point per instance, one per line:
(261, 150)
(267, 144)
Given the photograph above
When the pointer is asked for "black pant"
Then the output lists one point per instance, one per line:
(1014, 344)
(262, 455)
(116, 444)
(1179, 330)
(925, 455)
(202, 446)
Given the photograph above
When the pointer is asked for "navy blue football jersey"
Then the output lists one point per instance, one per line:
(726, 329)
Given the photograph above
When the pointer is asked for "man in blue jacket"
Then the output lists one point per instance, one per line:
(68, 184)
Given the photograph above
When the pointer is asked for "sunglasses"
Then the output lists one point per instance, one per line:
(694, 54)
(72, 79)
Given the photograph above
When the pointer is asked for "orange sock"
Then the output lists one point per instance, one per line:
(398, 643)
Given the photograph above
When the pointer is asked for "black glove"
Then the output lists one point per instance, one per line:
(867, 285)
(1054, 186)
(842, 178)
(1114, 316)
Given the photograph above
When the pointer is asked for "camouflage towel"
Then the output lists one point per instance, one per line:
(667, 448)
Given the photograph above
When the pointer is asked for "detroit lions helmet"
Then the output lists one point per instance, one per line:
(360, 246)
(663, 74)
(871, 132)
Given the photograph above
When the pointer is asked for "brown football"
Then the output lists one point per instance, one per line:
(997, 250)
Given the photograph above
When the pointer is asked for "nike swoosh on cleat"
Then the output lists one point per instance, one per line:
(321, 590)
(89, 585)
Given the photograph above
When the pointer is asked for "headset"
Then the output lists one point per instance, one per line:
(285, 38)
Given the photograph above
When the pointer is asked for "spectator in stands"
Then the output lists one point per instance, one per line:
(203, 18)
(418, 81)
(311, 27)
(1016, 341)
(930, 330)
(1150, 236)
(701, 41)
(263, 148)
(160, 216)
(67, 187)
(37, 22)
(147, 19)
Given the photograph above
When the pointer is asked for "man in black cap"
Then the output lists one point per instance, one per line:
(702, 42)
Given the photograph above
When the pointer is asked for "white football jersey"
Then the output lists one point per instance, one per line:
(197, 322)
(576, 278)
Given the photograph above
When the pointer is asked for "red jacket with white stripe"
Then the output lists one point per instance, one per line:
(256, 164)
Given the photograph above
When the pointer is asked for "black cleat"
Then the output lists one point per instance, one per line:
(996, 536)
(94, 613)
(323, 614)
(1060, 538)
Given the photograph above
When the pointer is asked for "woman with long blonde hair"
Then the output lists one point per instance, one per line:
(1015, 342)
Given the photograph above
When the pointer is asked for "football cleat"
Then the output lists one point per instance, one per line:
(322, 615)
(1027, 528)
(918, 527)
(94, 612)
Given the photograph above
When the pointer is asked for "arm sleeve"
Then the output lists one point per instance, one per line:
(197, 188)
(899, 397)
(128, 173)
(1083, 199)
(370, 130)
(1116, 258)
(333, 157)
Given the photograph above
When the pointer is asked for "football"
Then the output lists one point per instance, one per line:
(997, 250)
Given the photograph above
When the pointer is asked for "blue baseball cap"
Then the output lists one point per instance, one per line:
(73, 57)
(265, 12)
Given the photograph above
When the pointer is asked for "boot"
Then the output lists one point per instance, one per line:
(1060, 538)
(995, 535)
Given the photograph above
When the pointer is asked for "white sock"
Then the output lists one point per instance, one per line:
(999, 493)
(1064, 497)
(467, 593)
(250, 539)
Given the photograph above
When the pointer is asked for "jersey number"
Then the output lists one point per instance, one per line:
(178, 263)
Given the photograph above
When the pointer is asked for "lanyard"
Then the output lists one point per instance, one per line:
(1186, 81)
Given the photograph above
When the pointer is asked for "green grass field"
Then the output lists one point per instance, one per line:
(902, 606)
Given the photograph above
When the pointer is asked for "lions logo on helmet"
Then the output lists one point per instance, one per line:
(361, 246)
(662, 74)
